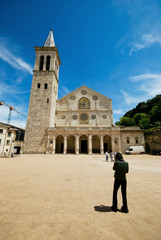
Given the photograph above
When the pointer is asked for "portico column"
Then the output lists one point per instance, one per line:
(119, 144)
(65, 144)
(113, 143)
(101, 144)
(53, 151)
(89, 144)
(48, 145)
(77, 145)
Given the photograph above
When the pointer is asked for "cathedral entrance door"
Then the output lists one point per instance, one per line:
(84, 146)
(62, 148)
(105, 147)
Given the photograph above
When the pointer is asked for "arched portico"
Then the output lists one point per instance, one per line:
(59, 144)
(95, 144)
(71, 144)
(107, 143)
(83, 144)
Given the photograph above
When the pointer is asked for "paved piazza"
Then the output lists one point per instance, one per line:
(67, 197)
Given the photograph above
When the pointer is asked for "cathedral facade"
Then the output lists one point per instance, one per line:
(80, 122)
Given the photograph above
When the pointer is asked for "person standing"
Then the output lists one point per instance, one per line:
(106, 156)
(121, 168)
(111, 155)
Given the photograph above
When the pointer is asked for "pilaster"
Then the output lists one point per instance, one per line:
(89, 144)
(65, 144)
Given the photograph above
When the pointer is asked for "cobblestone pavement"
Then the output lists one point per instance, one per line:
(67, 197)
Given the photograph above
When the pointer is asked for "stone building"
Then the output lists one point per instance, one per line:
(11, 139)
(80, 122)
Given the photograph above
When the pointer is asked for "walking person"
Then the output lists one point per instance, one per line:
(120, 167)
(111, 155)
(106, 156)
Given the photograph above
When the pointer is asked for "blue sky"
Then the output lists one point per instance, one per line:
(111, 46)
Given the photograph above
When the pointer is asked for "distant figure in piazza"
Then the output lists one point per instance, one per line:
(111, 155)
(120, 167)
(106, 156)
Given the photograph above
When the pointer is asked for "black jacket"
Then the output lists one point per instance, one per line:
(121, 167)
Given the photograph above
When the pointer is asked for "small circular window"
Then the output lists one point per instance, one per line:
(74, 117)
(83, 92)
(83, 117)
(72, 97)
(104, 116)
(63, 117)
(95, 97)
(93, 116)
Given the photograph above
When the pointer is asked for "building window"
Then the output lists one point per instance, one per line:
(1, 130)
(93, 116)
(136, 140)
(0, 141)
(6, 150)
(84, 117)
(8, 142)
(9, 134)
(45, 85)
(48, 63)
(41, 62)
(128, 140)
(84, 103)
(47, 100)
(38, 85)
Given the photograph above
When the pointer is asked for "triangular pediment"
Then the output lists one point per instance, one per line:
(85, 92)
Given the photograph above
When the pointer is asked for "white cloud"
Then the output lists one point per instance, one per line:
(14, 61)
(131, 99)
(120, 111)
(146, 41)
(145, 86)
(18, 123)
(63, 91)
(66, 90)
(16, 119)
(6, 90)
(148, 83)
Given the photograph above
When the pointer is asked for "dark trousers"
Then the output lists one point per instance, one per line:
(117, 184)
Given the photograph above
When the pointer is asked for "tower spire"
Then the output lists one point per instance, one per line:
(50, 40)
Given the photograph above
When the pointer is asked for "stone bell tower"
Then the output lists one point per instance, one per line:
(41, 112)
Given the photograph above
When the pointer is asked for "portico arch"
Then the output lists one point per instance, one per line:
(59, 144)
(95, 144)
(107, 143)
(83, 144)
(71, 144)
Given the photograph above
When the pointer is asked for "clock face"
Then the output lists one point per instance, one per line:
(84, 103)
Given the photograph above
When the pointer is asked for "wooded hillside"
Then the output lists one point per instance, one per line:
(145, 115)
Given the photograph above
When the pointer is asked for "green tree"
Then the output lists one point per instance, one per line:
(138, 116)
(144, 123)
(155, 113)
(126, 121)
(142, 120)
